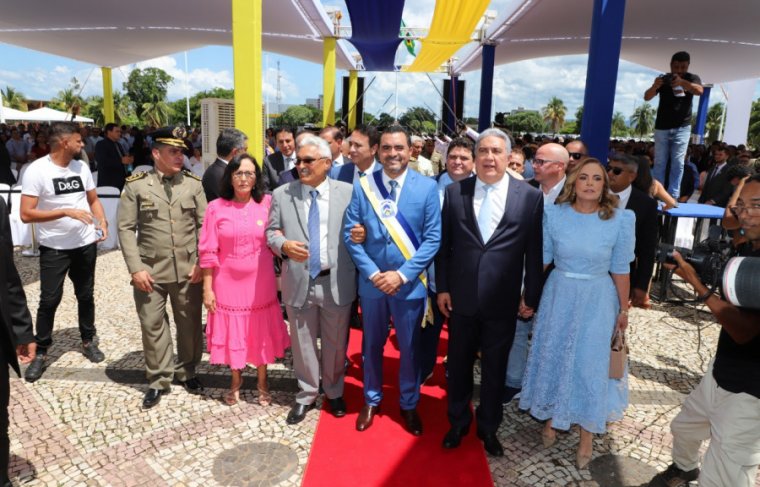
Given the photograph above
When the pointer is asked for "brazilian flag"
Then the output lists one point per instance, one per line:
(410, 44)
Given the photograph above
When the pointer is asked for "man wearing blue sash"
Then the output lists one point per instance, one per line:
(401, 212)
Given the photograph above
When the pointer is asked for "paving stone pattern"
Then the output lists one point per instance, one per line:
(81, 424)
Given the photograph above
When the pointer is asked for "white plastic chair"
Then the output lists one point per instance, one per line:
(20, 176)
(198, 169)
(109, 198)
(21, 232)
(5, 191)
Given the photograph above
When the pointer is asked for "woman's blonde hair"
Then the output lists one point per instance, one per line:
(607, 201)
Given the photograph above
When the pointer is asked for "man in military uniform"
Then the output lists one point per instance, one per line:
(160, 217)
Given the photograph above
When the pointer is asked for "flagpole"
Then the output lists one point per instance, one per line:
(187, 91)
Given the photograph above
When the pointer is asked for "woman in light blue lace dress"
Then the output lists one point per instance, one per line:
(585, 298)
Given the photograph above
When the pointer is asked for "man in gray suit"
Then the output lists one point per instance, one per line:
(318, 275)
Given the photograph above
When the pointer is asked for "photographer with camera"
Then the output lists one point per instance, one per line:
(672, 127)
(725, 406)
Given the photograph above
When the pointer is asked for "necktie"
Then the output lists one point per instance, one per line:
(484, 216)
(167, 182)
(315, 267)
(394, 185)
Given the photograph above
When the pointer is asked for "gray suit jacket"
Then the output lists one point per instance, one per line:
(288, 215)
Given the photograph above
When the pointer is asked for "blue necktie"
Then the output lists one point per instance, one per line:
(484, 216)
(315, 267)
(393, 194)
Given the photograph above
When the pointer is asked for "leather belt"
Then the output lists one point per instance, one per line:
(324, 273)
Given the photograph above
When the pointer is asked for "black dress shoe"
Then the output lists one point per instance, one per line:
(509, 394)
(491, 444)
(337, 407)
(297, 413)
(454, 437)
(412, 421)
(192, 386)
(153, 397)
(366, 416)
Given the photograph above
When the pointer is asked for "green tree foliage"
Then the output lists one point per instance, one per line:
(525, 122)
(578, 119)
(642, 120)
(712, 124)
(179, 107)
(414, 119)
(146, 88)
(13, 98)
(369, 119)
(554, 113)
(753, 134)
(68, 98)
(384, 120)
(123, 111)
(619, 128)
(298, 115)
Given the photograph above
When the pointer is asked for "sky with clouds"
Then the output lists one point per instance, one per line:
(528, 84)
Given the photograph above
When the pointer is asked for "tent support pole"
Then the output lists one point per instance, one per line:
(328, 81)
(108, 110)
(246, 60)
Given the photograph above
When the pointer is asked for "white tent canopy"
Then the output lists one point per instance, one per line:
(44, 114)
(116, 34)
(722, 37)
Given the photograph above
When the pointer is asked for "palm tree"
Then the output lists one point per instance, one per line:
(156, 112)
(642, 119)
(713, 122)
(14, 99)
(554, 113)
(619, 127)
(67, 99)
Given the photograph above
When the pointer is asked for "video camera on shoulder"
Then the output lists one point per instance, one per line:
(738, 278)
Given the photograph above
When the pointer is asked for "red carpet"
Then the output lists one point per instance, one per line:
(385, 454)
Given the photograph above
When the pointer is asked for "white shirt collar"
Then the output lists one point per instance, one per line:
(323, 188)
(369, 170)
(551, 196)
(399, 179)
(501, 184)
(624, 196)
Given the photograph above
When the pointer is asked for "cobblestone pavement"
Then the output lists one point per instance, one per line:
(81, 423)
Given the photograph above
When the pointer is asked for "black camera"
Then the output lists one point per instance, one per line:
(668, 78)
(737, 277)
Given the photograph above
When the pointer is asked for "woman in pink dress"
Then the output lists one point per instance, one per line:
(244, 322)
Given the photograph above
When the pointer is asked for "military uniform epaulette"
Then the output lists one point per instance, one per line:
(136, 176)
(191, 174)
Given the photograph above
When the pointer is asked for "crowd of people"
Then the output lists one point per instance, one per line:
(376, 228)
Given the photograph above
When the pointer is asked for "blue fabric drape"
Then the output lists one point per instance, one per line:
(375, 28)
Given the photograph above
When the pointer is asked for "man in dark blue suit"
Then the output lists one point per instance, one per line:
(15, 328)
(490, 229)
(390, 284)
(362, 147)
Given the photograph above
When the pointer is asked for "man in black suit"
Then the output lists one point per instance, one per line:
(490, 229)
(622, 170)
(15, 328)
(717, 188)
(112, 159)
(334, 138)
(230, 143)
(281, 161)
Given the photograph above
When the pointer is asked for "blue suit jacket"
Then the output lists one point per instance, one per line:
(419, 203)
(345, 172)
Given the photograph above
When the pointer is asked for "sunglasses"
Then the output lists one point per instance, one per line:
(617, 171)
(308, 160)
(576, 155)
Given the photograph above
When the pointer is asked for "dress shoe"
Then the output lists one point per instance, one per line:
(35, 369)
(92, 352)
(337, 407)
(412, 421)
(153, 397)
(298, 412)
(366, 415)
(454, 437)
(491, 444)
(192, 386)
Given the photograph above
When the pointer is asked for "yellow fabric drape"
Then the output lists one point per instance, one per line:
(452, 26)
(108, 109)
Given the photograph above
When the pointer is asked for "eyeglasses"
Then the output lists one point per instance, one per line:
(540, 162)
(753, 210)
(617, 171)
(244, 174)
(308, 160)
(576, 155)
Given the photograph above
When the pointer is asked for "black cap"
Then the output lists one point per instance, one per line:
(173, 135)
